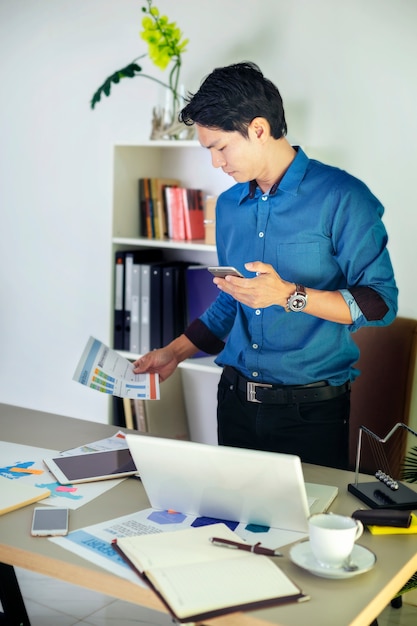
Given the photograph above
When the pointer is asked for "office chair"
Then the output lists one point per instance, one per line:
(383, 395)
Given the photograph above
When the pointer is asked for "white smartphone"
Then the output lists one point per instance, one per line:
(224, 270)
(83, 468)
(49, 522)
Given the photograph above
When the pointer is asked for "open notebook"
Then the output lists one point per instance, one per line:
(236, 484)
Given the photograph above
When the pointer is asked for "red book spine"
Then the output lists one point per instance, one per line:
(175, 209)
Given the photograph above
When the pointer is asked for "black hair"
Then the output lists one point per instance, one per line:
(231, 97)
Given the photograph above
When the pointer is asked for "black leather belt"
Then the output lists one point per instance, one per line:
(283, 394)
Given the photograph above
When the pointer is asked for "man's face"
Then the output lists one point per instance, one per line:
(238, 156)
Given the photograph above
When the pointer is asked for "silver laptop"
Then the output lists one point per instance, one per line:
(226, 483)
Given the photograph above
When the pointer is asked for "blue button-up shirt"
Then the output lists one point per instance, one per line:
(321, 228)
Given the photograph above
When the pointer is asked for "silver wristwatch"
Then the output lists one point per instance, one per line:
(298, 300)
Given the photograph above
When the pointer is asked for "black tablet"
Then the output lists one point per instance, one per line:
(83, 468)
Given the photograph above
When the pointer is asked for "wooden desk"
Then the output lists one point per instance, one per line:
(354, 602)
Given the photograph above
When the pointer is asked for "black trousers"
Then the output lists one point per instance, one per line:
(317, 432)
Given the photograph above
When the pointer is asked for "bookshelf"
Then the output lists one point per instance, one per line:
(191, 164)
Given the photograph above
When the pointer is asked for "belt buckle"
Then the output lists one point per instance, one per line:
(251, 390)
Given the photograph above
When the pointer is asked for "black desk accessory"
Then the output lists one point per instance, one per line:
(385, 492)
(383, 517)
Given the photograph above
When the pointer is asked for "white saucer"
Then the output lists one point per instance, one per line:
(301, 555)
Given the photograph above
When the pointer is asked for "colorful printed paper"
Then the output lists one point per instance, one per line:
(25, 464)
(104, 370)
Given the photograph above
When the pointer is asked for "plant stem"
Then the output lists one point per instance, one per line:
(173, 83)
(156, 80)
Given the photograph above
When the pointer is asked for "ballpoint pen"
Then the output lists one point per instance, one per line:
(257, 548)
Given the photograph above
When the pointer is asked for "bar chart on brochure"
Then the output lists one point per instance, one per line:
(105, 370)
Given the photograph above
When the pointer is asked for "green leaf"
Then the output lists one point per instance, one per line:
(409, 586)
(130, 71)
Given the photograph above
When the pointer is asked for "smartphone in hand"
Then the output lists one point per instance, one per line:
(224, 270)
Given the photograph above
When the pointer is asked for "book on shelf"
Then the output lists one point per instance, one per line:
(155, 306)
(159, 299)
(165, 418)
(175, 213)
(128, 274)
(152, 206)
(185, 213)
(145, 307)
(148, 208)
(197, 580)
(143, 320)
(155, 225)
(210, 220)
(134, 342)
(138, 407)
(193, 213)
(193, 292)
(118, 412)
(160, 209)
(200, 293)
(143, 232)
(118, 328)
(125, 278)
(171, 311)
(173, 301)
(169, 210)
(151, 308)
(128, 413)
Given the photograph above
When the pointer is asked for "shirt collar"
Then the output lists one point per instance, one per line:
(289, 183)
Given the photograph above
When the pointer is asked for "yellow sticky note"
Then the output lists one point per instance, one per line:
(392, 530)
(26, 470)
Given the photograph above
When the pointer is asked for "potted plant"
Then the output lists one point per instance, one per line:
(166, 46)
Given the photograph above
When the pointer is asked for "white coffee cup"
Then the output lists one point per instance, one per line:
(332, 537)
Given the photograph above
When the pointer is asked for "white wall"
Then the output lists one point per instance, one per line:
(347, 74)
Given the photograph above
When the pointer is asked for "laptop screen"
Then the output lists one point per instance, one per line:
(249, 486)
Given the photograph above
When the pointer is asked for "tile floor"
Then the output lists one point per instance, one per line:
(74, 605)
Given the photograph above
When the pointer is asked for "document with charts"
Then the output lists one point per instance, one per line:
(104, 370)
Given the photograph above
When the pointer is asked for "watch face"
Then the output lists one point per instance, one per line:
(297, 303)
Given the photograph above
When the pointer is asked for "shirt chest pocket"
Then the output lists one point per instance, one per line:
(299, 262)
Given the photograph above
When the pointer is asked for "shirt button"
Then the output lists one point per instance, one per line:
(261, 234)
(255, 374)
(258, 312)
(255, 346)
(264, 198)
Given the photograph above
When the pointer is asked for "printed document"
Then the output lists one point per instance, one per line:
(105, 370)
(24, 464)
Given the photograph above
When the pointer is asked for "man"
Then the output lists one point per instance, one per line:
(311, 244)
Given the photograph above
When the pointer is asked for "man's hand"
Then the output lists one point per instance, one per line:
(162, 362)
(165, 360)
(268, 288)
(265, 289)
